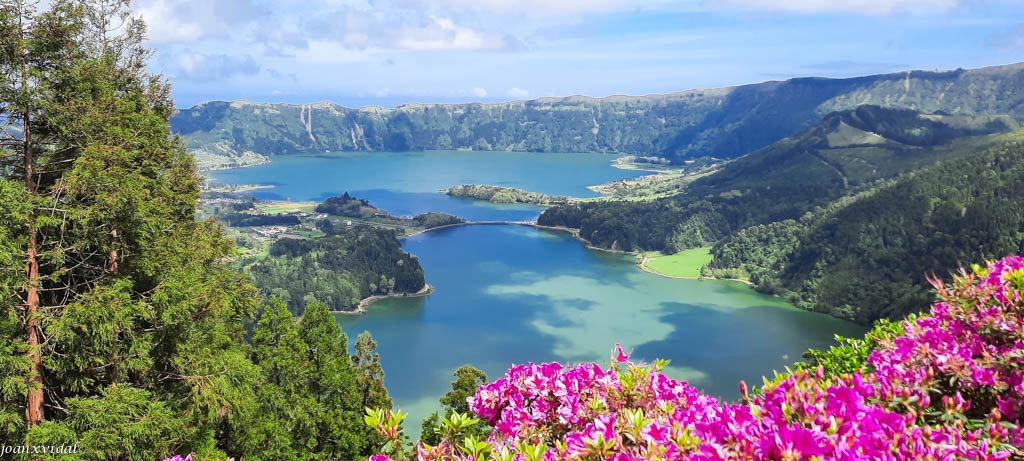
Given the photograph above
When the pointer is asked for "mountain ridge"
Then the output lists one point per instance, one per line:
(689, 125)
(611, 97)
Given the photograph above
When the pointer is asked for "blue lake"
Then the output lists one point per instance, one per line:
(407, 183)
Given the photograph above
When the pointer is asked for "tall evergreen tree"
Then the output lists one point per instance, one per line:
(331, 380)
(370, 382)
(467, 380)
(119, 315)
(283, 427)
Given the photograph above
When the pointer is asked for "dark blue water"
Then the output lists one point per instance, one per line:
(407, 183)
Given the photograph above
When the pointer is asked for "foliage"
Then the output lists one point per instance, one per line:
(456, 401)
(955, 213)
(249, 220)
(689, 125)
(311, 405)
(942, 386)
(854, 258)
(339, 270)
(369, 386)
(120, 334)
(851, 354)
(436, 219)
(499, 194)
(121, 322)
(348, 206)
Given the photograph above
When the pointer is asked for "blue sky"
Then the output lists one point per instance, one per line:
(363, 52)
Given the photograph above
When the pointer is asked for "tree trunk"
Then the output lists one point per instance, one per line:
(34, 401)
(34, 405)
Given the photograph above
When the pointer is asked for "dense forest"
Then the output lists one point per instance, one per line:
(752, 207)
(349, 264)
(500, 194)
(123, 328)
(248, 220)
(866, 257)
(347, 206)
(723, 123)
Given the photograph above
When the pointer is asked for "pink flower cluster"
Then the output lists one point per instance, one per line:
(951, 388)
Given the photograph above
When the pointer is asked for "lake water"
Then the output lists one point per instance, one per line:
(514, 294)
(407, 183)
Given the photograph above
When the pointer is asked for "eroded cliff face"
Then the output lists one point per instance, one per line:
(719, 123)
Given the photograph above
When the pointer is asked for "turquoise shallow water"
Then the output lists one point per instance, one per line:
(407, 183)
(513, 294)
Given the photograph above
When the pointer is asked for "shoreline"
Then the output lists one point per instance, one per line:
(365, 303)
(642, 265)
(575, 233)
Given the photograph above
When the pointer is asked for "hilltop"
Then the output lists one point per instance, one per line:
(719, 123)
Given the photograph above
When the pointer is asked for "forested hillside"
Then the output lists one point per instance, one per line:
(844, 218)
(721, 123)
(339, 270)
(866, 257)
(783, 181)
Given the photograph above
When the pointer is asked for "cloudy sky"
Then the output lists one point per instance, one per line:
(361, 52)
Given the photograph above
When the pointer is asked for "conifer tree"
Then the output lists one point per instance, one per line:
(370, 382)
(121, 321)
(283, 428)
(331, 382)
(120, 318)
(467, 380)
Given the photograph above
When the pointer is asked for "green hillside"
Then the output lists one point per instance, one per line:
(833, 216)
(866, 257)
(783, 181)
(721, 123)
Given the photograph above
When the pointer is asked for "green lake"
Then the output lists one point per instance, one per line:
(513, 294)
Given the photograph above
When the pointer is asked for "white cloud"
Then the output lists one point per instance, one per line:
(479, 92)
(190, 20)
(201, 67)
(517, 93)
(871, 7)
(559, 7)
(164, 25)
(444, 34)
(396, 29)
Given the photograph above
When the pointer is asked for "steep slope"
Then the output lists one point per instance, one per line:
(844, 153)
(865, 257)
(721, 123)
